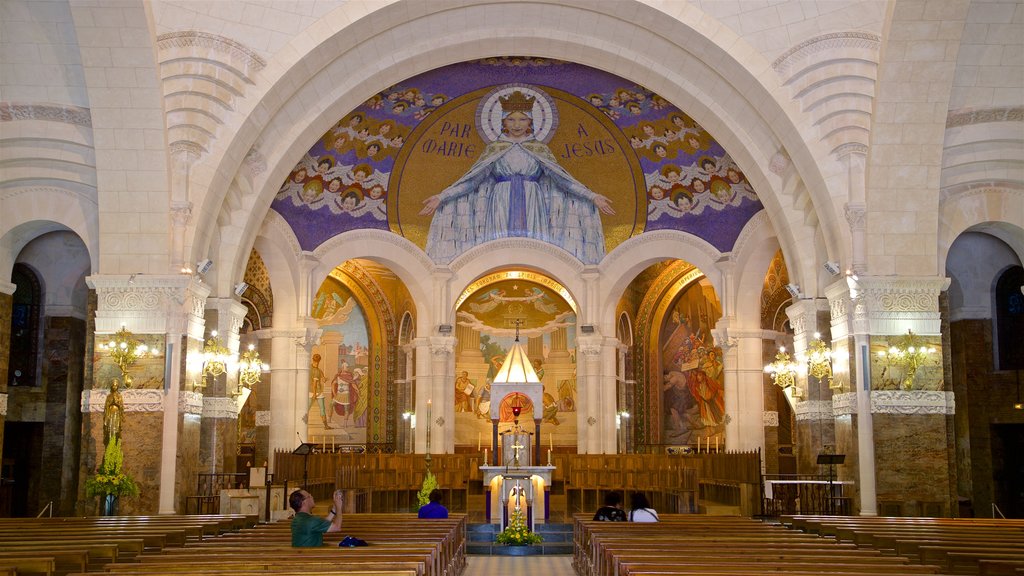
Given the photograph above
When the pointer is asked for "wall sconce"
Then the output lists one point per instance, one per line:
(907, 355)
(819, 360)
(1018, 405)
(620, 418)
(215, 358)
(125, 350)
(782, 370)
(250, 369)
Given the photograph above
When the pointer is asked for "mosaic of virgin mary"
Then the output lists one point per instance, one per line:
(517, 188)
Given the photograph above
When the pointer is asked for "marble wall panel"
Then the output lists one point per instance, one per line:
(911, 462)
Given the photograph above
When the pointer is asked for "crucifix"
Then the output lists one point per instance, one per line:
(516, 448)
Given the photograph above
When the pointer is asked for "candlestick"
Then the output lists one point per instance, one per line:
(486, 463)
(716, 444)
(549, 456)
(551, 441)
(477, 441)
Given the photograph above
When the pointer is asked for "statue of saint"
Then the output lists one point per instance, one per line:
(113, 414)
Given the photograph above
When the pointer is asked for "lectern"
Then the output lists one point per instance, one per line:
(304, 450)
(830, 460)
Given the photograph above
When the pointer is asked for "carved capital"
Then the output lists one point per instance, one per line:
(442, 346)
(813, 411)
(856, 214)
(912, 402)
(263, 417)
(770, 419)
(844, 404)
(190, 402)
(220, 407)
(181, 213)
(134, 399)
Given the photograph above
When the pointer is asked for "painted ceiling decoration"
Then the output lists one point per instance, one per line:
(517, 147)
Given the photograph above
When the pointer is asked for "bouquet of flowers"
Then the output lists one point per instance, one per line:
(110, 479)
(429, 483)
(517, 534)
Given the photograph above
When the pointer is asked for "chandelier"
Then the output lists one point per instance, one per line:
(215, 357)
(125, 350)
(250, 368)
(782, 370)
(905, 356)
(819, 360)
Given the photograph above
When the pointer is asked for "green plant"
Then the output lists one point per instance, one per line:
(110, 479)
(516, 533)
(429, 483)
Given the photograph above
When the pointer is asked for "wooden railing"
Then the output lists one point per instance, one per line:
(389, 482)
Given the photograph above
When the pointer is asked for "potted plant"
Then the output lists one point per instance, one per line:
(517, 533)
(110, 481)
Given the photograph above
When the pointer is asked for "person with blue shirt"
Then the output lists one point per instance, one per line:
(434, 509)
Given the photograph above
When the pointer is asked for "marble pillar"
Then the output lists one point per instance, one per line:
(6, 293)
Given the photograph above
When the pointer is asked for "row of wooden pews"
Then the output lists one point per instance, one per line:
(990, 547)
(398, 545)
(80, 544)
(719, 546)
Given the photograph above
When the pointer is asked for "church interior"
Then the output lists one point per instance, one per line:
(752, 259)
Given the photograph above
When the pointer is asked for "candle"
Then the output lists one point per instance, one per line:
(551, 442)
(486, 463)
(716, 443)
(477, 441)
(549, 456)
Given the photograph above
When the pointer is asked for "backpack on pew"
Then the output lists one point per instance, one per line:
(352, 542)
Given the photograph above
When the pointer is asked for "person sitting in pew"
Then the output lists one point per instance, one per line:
(308, 530)
(640, 509)
(612, 510)
(434, 508)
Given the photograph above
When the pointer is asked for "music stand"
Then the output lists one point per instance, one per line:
(304, 450)
(830, 460)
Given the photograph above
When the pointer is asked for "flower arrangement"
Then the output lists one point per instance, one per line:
(429, 483)
(110, 479)
(517, 534)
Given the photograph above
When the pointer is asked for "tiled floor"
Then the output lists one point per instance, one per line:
(519, 566)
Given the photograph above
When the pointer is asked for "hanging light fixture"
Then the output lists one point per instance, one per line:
(250, 369)
(215, 357)
(906, 356)
(782, 370)
(819, 360)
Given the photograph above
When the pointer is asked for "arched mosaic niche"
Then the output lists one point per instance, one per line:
(438, 160)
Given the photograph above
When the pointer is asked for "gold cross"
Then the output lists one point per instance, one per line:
(516, 448)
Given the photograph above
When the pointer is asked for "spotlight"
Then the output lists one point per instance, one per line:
(794, 290)
(587, 329)
(444, 329)
(240, 288)
(832, 267)
(203, 266)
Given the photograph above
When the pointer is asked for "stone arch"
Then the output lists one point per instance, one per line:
(46, 209)
(997, 210)
(746, 132)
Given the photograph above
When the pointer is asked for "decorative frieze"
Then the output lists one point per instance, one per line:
(984, 115)
(220, 407)
(66, 113)
(842, 41)
(770, 419)
(912, 402)
(263, 417)
(149, 304)
(844, 404)
(813, 411)
(190, 402)
(134, 400)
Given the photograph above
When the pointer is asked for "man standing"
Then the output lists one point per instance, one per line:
(308, 530)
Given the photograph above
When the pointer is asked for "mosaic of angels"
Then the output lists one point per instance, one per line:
(517, 147)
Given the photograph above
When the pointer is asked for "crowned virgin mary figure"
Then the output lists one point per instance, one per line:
(516, 189)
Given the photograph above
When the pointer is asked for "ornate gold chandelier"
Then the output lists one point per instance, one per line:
(782, 370)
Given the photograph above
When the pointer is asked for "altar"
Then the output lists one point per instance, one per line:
(527, 486)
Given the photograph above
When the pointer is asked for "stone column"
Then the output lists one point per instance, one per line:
(261, 397)
(422, 387)
(815, 426)
(219, 436)
(589, 410)
(901, 432)
(158, 310)
(442, 393)
(289, 389)
(6, 301)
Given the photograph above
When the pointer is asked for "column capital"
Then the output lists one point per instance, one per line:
(887, 305)
(150, 303)
(441, 346)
